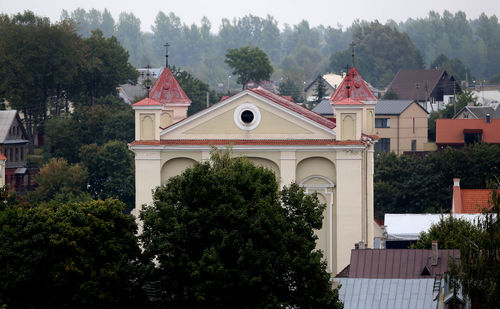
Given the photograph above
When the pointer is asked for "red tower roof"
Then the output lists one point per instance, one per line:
(167, 90)
(354, 87)
(147, 102)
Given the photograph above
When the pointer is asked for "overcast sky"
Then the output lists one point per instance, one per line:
(325, 12)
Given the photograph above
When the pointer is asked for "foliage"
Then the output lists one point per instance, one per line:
(250, 64)
(195, 89)
(478, 272)
(320, 89)
(68, 255)
(380, 52)
(450, 233)
(58, 180)
(411, 184)
(222, 238)
(454, 67)
(390, 95)
(289, 88)
(495, 79)
(111, 171)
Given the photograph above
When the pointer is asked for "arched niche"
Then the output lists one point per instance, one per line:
(266, 163)
(348, 127)
(175, 167)
(318, 166)
(147, 125)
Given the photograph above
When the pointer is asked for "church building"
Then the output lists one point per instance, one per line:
(334, 159)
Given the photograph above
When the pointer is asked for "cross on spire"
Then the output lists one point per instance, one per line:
(147, 82)
(166, 54)
(352, 52)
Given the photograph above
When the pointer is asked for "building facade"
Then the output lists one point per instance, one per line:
(335, 161)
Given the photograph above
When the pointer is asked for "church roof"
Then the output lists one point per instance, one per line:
(167, 90)
(353, 86)
(147, 102)
(293, 106)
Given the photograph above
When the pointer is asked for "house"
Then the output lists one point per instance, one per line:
(400, 278)
(333, 160)
(14, 143)
(424, 86)
(469, 201)
(401, 125)
(331, 82)
(460, 132)
(478, 112)
(147, 76)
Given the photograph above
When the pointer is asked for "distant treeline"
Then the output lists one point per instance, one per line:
(301, 52)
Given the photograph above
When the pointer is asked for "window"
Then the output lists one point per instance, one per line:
(471, 138)
(383, 145)
(413, 125)
(382, 123)
(17, 154)
(413, 145)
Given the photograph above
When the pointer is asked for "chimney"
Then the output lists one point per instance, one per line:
(435, 253)
(456, 204)
(488, 118)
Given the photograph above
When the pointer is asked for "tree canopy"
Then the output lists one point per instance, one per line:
(249, 63)
(68, 255)
(223, 238)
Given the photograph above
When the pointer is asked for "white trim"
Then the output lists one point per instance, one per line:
(236, 97)
(251, 147)
(239, 111)
(147, 107)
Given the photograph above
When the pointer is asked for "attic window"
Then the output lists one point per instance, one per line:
(425, 272)
(247, 116)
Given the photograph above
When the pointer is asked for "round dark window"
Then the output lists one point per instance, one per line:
(247, 116)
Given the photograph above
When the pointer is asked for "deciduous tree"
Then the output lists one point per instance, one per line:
(249, 63)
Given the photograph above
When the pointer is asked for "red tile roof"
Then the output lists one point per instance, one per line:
(347, 101)
(398, 263)
(353, 86)
(293, 106)
(270, 142)
(167, 90)
(475, 200)
(451, 131)
(147, 102)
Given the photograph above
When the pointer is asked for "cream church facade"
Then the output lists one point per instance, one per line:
(334, 160)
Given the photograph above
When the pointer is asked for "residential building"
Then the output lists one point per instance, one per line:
(405, 278)
(478, 112)
(460, 132)
(333, 160)
(469, 201)
(428, 87)
(331, 82)
(401, 125)
(2, 168)
(14, 143)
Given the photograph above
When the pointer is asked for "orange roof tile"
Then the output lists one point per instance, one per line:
(451, 131)
(220, 142)
(475, 200)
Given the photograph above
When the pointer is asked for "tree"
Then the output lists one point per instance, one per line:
(68, 255)
(57, 180)
(250, 64)
(454, 67)
(449, 232)
(320, 90)
(222, 238)
(289, 88)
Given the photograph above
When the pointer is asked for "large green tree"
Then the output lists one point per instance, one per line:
(380, 51)
(68, 255)
(222, 238)
(249, 63)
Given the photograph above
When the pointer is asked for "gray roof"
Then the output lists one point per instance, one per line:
(6, 119)
(480, 112)
(132, 92)
(386, 293)
(393, 107)
(323, 108)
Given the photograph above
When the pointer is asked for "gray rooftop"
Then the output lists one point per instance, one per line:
(386, 293)
(392, 107)
(6, 119)
(480, 111)
(323, 108)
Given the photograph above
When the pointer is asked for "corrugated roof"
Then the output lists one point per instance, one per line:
(451, 131)
(6, 119)
(411, 84)
(393, 107)
(323, 108)
(386, 293)
(398, 263)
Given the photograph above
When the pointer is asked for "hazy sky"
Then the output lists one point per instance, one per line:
(325, 12)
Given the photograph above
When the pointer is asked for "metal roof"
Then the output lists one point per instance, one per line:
(386, 293)
(393, 107)
(323, 108)
(6, 119)
(398, 263)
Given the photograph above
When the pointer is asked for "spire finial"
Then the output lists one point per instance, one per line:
(166, 54)
(352, 53)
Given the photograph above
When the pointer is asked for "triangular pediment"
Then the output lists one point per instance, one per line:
(249, 115)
